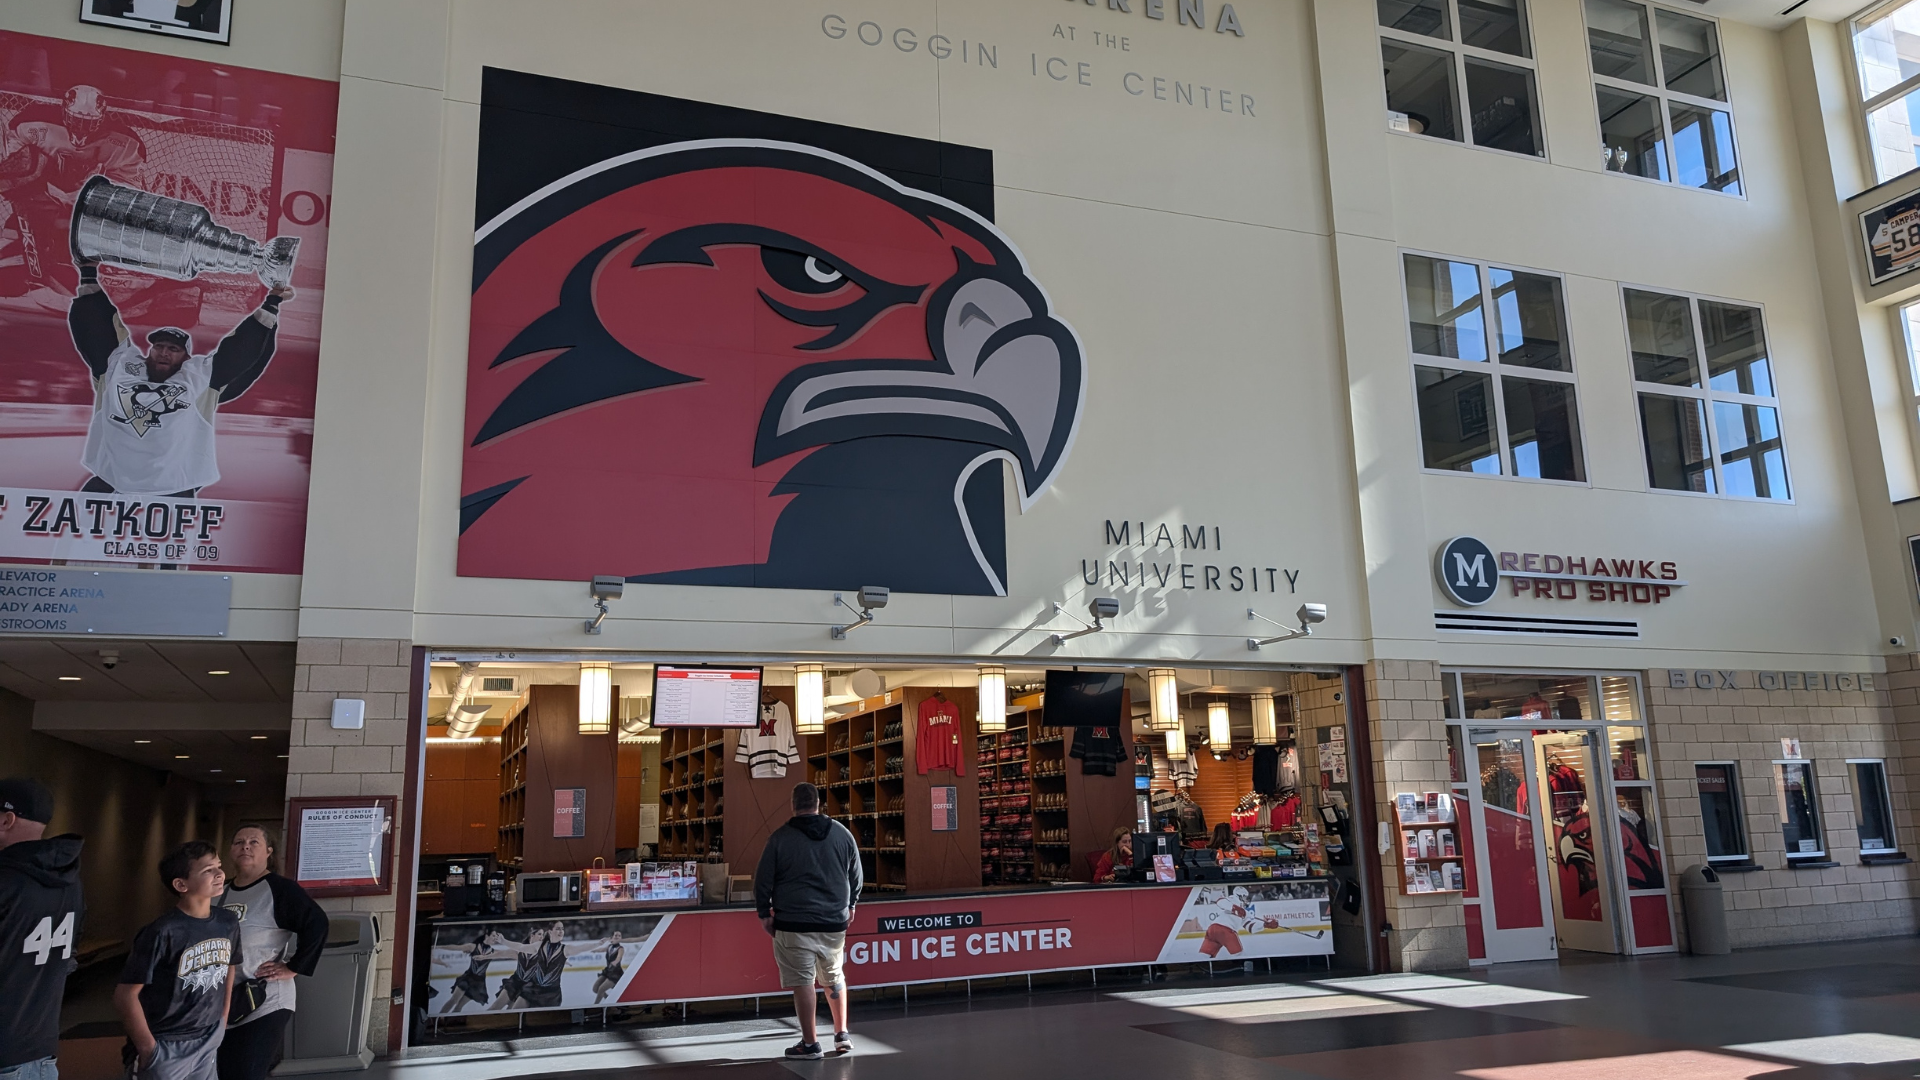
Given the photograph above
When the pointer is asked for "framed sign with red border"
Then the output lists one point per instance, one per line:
(341, 846)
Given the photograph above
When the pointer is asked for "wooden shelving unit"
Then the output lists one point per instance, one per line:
(511, 845)
(860, 766)
(1006, 805)
(1047, 749)
(692, 792)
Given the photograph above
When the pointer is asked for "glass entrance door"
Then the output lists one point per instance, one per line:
(1512, 866)
(1578, 852)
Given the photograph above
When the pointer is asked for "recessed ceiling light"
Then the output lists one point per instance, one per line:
(141, 742)
(213, 770)
(239, 781)
(219, 672)
(256, 738)
(282, 757)
(69, 678)
(181, 757)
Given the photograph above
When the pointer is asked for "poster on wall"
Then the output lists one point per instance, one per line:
(702, 337)
(163, 228)
(201, 20)
(522, 965)
(1892, 233)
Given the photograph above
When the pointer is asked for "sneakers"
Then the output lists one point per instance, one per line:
(804, 1051)
(843, 1042)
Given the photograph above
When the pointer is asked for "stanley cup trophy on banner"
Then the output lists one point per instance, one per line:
(139, 230)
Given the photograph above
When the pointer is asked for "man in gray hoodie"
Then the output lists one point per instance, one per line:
(805, 890)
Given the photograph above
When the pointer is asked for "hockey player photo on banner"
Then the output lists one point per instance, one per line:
(1259, 918)
(162, 250)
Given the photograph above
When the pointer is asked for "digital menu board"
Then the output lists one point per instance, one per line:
(705, 696)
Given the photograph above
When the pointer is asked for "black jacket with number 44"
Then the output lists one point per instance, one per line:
(40, 918)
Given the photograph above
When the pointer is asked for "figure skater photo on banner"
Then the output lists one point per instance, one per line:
(573, 963)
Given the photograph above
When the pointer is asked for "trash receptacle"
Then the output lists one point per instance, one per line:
(1706, 908)
(328, 1032)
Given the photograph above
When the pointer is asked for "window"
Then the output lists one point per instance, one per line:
(1709, 427)
(1873, 810)
(1493, 371)
(1886, 49)
(1800, 811)
(1659, 83)
(1720, 818)
(1440, 53)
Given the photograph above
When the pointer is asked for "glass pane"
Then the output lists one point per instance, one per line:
(1499, 25)
(1456, 420)
(1703, 153)
(1631, 138)
(1893, 128)
(1420, 90)
(1528, 317)
(1503, 776)
(1543, 429)
(1690, 55)
(1527, 697)
(1799, 812)
(1627, 753)
(1617, 698)
(1736, 349)
(1720, 811)
(1752, 461)
(1443, 304)
(1888, 50)
(1660, 333)
(1617, 38)
(1425, 17)
(1675, 430)
(1876, 814)
(1640, 837)
(1500, 101)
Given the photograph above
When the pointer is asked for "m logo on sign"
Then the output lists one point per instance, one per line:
(1468, 571)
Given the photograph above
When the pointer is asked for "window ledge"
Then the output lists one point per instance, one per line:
(1889, 858)
(1811, 864)
(1735, 868)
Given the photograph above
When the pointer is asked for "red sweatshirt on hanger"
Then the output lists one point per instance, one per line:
(937, 739)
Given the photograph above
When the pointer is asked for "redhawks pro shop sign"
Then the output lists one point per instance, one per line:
(1471, 573)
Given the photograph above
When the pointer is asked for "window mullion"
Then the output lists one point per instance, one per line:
(1492, 320)
(1713, 427)
(1653, 45)
(1905, 87)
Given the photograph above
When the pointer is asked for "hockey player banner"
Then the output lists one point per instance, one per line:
(162, 263)
(700, 335)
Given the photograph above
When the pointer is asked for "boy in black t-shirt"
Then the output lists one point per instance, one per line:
(175, 989)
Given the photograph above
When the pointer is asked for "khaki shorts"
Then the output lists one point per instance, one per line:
(807, 959)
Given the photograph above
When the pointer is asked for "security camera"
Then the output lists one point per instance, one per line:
(1105, 607)
(1311, 613)
(109, 658)
(870, 598)
(606, 586)
(1898, 641)
(873, 596)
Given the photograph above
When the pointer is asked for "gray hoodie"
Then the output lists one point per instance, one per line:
(809, 876)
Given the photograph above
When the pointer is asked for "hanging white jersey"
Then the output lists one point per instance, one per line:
(152, 438)
(769, 748)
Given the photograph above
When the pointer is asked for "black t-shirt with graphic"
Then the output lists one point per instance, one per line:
(183, 963)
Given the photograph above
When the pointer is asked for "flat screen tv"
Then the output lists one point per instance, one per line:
(705, 696)
(1084, 698)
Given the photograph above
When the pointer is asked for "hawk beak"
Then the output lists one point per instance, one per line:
(1007, 374)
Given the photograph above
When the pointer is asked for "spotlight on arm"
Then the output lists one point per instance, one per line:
(1102, 609)
(1309, 614)
(602, 588)
(871, 598)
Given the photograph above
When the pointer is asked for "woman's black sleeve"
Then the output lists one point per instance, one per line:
(294, 910)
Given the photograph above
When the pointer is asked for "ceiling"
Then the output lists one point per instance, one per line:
(1776, 14)
(174, 671)
(231, 764)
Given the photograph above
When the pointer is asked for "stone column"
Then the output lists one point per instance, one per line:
(1407, 725)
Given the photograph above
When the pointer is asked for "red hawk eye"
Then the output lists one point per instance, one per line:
(801, 273)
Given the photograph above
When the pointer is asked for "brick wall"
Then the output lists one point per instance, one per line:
(322, 761)
(1405, 717)
(1775, 905)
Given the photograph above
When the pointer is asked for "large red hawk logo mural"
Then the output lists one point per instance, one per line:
(751, 362)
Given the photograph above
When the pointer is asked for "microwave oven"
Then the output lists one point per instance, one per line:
(546, 891)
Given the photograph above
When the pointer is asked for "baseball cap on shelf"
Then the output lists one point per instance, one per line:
(28, 798)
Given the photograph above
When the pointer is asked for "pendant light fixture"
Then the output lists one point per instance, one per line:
(1266, 723)
(810, 704)
(596, 699)
(1219, 728)
(993, 699)
(1163, 700)
(1177, 744)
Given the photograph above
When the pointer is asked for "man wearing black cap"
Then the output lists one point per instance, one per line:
(152, 426)
(40, 915)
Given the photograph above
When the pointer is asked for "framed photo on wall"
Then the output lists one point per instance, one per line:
(341, 846)
(201, 20)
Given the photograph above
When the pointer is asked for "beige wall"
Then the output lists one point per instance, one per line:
(322, 761)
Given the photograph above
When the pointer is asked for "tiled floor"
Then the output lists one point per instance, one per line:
(1805, 1013)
